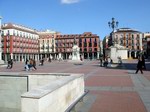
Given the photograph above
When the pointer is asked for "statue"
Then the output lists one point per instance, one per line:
(75, 51)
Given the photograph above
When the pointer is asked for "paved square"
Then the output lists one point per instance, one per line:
(109, 81)
(117, 102)
(110, 90)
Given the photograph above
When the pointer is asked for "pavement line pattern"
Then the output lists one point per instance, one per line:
(142, 87)
(91, 73)
(87, 103)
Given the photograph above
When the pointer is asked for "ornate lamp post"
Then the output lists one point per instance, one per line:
(113, 24)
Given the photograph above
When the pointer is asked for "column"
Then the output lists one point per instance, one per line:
(83, 55)
(11, 55)
(22, 58)
(135, 54)
(15, 57)
(92, 55)
(25, 57)
(28, 56)
(130, 54)
(36, 57)
(66, 56)
(54, 56)
(98, 55)
(40, 56)
(19, 57)
(6, 58)
(87, 55)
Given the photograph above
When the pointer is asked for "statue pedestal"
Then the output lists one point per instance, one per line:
(116, 51)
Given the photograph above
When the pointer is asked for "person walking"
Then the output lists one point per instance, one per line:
(34, 64)
(101, 62)
(8, 64)
(139, 65)
(27, 65)
(143, 61)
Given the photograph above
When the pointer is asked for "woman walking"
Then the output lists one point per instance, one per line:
(139, 65)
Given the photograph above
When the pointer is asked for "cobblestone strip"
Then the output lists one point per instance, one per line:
(142, 86)
(87, 103)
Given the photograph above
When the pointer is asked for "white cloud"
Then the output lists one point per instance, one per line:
(69, 1)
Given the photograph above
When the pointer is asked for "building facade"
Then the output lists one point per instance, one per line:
(130, 39)
(47, 48)
(146, 44)
(87, 42)
(19, 42)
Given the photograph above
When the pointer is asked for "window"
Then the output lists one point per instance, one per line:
(90, 40)
(90, 49)
(80, 50)
(95, 44)
(85, 40)
(85, 44)
(127, 36)
(80, 40)
(132, 36)
(8, 33)
(90, 44)
(80, 44)
(85, 50)
(137, 37)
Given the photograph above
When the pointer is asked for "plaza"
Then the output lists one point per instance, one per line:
(110, 89)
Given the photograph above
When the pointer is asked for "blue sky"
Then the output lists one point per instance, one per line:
(77, 16)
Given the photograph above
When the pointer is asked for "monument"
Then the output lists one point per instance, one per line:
(115, 50)
(1, 61)
(76, 58)
(75, 52)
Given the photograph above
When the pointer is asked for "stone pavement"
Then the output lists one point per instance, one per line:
(110, 89)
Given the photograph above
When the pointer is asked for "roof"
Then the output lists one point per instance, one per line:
(126, 30)
(18, 27)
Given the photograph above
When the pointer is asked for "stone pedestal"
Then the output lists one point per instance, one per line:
(117, 51)
(113, 54)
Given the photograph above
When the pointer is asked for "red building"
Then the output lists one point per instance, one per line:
(87, 42)
(19, 42)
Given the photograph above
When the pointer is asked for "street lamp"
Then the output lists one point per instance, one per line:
(113, 24)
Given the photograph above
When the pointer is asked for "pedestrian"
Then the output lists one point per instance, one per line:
(49, 59)
(143, 61)
(8, 63)
(27, 65)
(11, 63)
(139, 65)
(106, 62)
(41, 62)
(34, 64)
(30, 64)
(101, 62)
